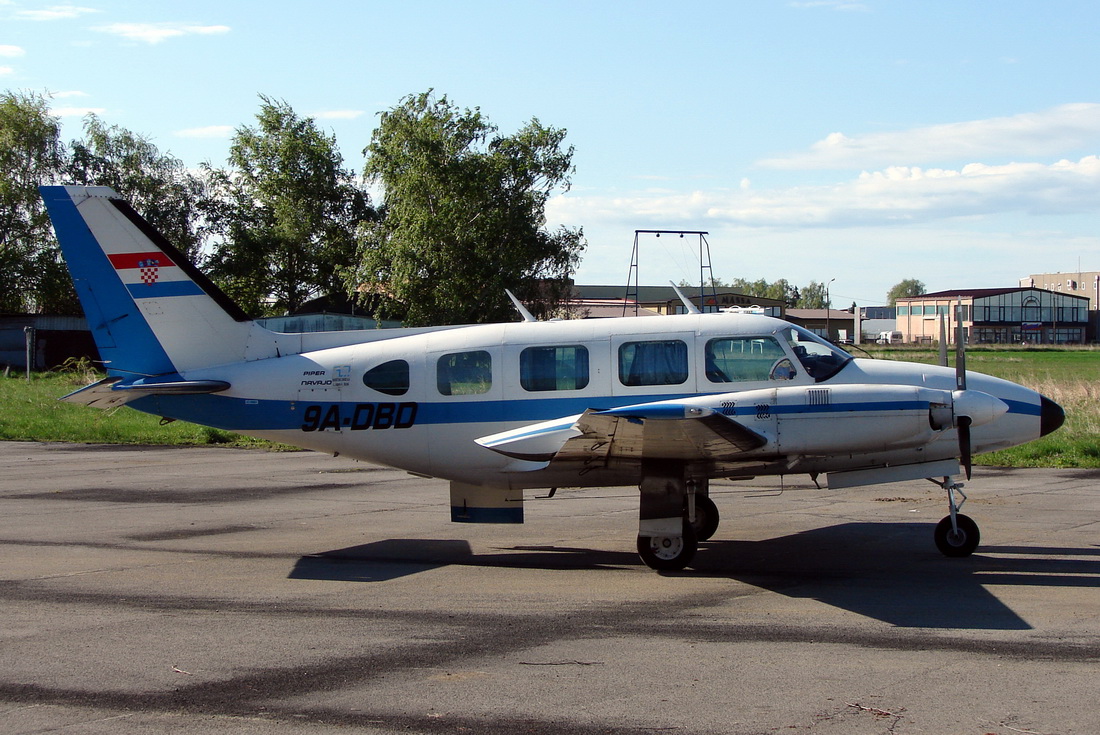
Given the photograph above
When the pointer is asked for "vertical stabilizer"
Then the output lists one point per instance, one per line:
(150, 310)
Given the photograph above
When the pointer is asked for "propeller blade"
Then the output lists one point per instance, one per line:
(962, 422)
(960, 351)
(943, 341)
(964, 444)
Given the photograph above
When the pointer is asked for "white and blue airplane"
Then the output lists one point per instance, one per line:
(665, 403)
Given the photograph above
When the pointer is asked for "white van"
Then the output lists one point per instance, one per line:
(889, 338)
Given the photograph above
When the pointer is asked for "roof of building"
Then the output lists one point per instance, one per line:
(605, 308)
(806, 314)
(655, 294)
(976, 293)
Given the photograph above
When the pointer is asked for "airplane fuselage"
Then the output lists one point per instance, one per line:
(419, 402)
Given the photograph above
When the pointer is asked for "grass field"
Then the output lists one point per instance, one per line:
(1071, 377)
(31, 412)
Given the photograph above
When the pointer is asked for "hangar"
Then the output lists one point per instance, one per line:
(996, 316)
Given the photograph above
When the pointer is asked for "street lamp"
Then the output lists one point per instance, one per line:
(828, 301)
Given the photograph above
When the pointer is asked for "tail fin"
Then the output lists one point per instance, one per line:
(150, 310)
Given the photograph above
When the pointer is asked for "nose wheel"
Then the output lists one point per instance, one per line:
(959, 541)
(956, 535)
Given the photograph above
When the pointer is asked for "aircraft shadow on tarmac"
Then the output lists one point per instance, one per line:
(887, 571)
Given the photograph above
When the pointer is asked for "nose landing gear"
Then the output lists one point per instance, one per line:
(956, 535)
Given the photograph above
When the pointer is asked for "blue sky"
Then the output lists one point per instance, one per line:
(954, 142)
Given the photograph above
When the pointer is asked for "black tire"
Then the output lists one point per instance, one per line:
(961, 544)
(666, 553)
(706, 518)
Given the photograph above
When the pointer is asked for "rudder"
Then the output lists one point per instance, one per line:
(150, 310)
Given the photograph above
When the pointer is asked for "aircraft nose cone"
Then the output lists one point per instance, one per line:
(1051, 416)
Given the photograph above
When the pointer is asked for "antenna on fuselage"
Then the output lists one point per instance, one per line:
(691, 308)
(527, 316)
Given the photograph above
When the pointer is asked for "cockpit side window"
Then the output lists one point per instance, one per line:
(820, 359)
(742, 359)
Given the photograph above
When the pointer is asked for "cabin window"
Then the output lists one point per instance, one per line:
(660, 362)
(391, 378)
(553, 368)
(737, 359)
(465, 373)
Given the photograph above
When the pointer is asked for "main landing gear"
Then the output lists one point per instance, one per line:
(956, 535)
(675, 515)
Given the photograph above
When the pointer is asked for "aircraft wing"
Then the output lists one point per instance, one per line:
(646, 431)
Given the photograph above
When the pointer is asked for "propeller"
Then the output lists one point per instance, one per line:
(962, 423)
(943, 341)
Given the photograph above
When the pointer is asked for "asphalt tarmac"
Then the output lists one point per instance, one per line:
(155, 590)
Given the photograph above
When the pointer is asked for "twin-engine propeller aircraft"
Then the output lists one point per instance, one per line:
(665, 403)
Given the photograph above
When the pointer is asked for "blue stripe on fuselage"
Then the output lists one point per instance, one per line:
(238, 414)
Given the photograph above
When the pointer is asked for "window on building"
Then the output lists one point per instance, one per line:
(735, 359)
(659, 362)
(391, 378)
(464, 373)
(553, 368)
(1031, 311)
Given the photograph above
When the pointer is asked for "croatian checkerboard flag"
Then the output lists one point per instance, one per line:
(152, 275)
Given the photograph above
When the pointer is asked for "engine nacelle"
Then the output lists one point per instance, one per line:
(855, 418)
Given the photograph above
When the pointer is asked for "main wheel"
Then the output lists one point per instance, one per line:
(668, 553)
(706, 518)
(957, 543)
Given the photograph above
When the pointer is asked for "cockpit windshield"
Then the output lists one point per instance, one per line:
(820, 359)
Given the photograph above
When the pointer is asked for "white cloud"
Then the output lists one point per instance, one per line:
(54, 12)
(338, 114)
(210, 131)
(895, 195)
(1047, 133)
(11, 52)
(6, 70)
(68, 94)
(153, 33)
(77, 111)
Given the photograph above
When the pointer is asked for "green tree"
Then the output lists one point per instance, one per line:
(32, 276)
(464, 215)
(904, 289)
(284, 212)
(157, 184)
(812, 296)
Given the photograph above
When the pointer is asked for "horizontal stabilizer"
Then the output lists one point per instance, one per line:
(110, 392)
